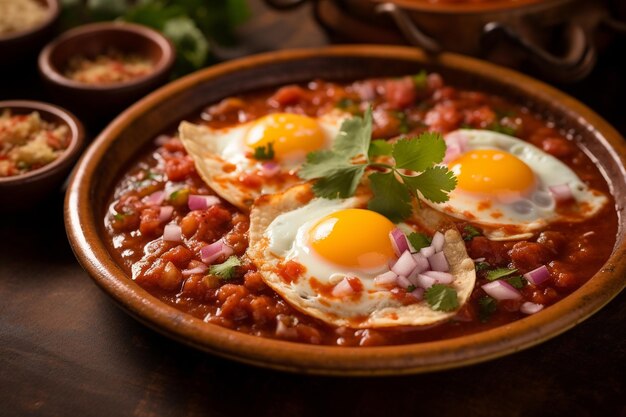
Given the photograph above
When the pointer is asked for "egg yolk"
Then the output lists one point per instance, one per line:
(288, 133)
(494, 172)
(353, 238)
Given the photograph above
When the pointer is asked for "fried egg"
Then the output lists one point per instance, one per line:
(504, 185)
(333, 241)
(224, 157)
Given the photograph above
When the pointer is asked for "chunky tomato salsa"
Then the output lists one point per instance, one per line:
(187, 246)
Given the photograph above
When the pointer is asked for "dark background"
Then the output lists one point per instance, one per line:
(67, 350)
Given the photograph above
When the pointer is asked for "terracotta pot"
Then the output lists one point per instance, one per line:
(554, 37)
(123, 140)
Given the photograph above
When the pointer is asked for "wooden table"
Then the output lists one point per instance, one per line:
(67, 350)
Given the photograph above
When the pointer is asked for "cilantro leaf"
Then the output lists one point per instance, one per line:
(498, 273)
(225, 270)
(500, 128)
(486, 307)
(340, 184)
(421, 153)
(354, 136)
(434, 183)
(411, 288)
(441, 298)
(391, 198)
(471, 232)
(264, 152)
(517, 281)
(482, 266)
(344, 103)
(420, 79)
(418, 240)
(380, 147)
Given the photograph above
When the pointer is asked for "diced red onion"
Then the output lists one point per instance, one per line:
(537, 276)
(438, 241)
(403, 282)
(561, 192)
(530, 308)
(440, 277)
(418, 293)
(270, 169)
(172, 233)
(421, 262)
(428, 251)
(388, 278)
(156, 198)
(200, 269)
(404, 265)
(479, 259)
(343, 289)
(501, 290)
(424, 281)
(210, 253)
(438, 262)
(162, 140)
(165, 213)
(398, 241)
(202, 202)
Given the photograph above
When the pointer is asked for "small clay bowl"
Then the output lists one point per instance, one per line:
(15, 47)
(25, 190)
(98, 101)
(124, 140)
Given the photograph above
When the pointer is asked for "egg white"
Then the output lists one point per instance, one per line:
(221, 157)
(278, 227)
(521, 217)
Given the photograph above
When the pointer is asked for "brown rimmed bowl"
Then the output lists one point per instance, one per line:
(25, 190)
(17, 46)
(98, 101)
(123, 139)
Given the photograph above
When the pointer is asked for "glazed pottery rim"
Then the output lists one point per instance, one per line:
(471, 8)
(70, 154)
(53, 10)
(162, 66)
(84, 232)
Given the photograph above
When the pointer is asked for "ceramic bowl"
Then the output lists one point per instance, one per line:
(24, 191)
(17, 46)
(125, 137)
(97, 101)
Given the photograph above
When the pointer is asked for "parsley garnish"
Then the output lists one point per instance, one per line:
(264, 153)
(482, 266)
(410, 288)
(339, 170)
(225, 270)
(441, 298)
(486, 307)
(418, 240)
(470, 232)
(498, 273)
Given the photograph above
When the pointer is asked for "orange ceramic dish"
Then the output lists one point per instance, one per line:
(115, 148)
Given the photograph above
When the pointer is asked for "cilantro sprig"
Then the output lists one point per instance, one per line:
(416, 172)
(225, 270)
(441, 298)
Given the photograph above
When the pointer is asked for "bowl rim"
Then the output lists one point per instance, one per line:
(492, 6)
(77, 138)
(84, 235)
(53, 11)
(162, 66)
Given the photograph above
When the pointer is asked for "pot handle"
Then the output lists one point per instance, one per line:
(408, 28)
(574, 65)
(284, 4)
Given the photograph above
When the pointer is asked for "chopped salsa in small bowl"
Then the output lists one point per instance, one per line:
(112, 66)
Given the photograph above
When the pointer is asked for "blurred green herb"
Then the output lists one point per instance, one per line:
(192, 25)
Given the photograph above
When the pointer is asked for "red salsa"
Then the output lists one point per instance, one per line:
(165, 176)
